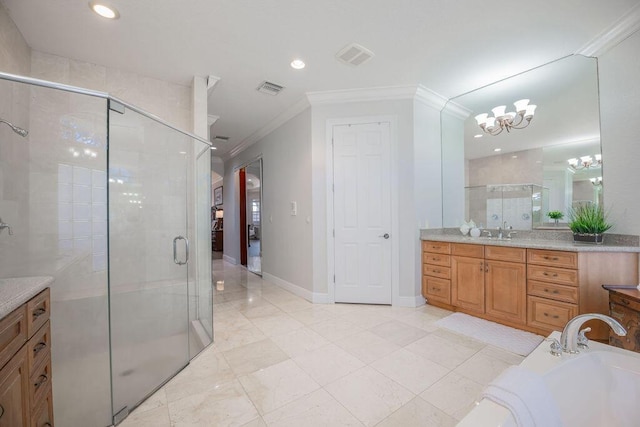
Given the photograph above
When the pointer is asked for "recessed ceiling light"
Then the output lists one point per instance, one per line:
(477, 136)
(105, 10)
(298, 64)
(514, 157)
(213, 148)
(497, 149)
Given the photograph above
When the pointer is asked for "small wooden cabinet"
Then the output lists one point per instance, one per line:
(25, 369)
(624, 306)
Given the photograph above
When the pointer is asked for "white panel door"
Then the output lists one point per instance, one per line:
(362, 213)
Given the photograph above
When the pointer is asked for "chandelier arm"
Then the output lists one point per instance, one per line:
(527, 123)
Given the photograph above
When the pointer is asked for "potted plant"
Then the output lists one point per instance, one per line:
(556, 216)
(588, 222)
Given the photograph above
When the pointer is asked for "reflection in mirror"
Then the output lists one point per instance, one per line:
(549, 160)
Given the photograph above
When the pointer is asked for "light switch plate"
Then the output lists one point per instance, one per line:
(294, 208)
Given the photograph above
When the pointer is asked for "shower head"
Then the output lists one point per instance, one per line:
(16, 129)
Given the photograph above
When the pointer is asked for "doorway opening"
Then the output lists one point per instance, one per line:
(251, 216)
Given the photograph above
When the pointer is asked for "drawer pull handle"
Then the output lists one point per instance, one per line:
(39, 312)
(47, 424)
(436, 271)
(551, 258)
(38, 347)
(435, 289)
(624, 301)
(555, 291)
(554, 317)
(41, 380)
(552, 275)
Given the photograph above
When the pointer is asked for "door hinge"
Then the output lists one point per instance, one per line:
(334, 278)
(334, 232)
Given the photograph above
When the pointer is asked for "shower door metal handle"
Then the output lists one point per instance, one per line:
(175, 250)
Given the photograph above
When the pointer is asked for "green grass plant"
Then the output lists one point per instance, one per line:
(588, 219)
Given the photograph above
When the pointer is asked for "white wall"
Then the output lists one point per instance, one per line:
(15, 53)
(414, 161)
(169, 101)
(619, 71)
(286, 176)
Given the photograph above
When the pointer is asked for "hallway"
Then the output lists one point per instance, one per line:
(278, 360)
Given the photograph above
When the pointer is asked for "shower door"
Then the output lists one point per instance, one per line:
(148, 252)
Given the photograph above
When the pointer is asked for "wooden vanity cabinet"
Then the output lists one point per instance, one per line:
(25, 372)
(436, 271)
(506, 284)
(467, 283)
(537, 290)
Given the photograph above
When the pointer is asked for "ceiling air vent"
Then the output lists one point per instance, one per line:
(219, 138)
(269, 88)
(354, 54)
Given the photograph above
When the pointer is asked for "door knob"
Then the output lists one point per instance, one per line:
(385, 235)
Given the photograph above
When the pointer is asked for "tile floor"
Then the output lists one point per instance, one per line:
(279, 360)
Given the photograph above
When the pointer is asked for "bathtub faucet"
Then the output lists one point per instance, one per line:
(572, 336)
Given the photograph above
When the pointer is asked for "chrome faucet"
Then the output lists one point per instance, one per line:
(572, 337)
(4, 225)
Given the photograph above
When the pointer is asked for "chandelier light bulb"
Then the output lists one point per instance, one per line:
(530, 111)
(481, 119)
(598, 158)
(491, 123)
(573, 162)
(499, 111)
(521, 105)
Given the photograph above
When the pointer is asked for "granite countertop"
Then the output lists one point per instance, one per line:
(560, 245)
(16, 291)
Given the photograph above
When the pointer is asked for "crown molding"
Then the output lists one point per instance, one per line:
(616, 33)
(384, 93)
(430, 98)
(456, 110)
(281, 119)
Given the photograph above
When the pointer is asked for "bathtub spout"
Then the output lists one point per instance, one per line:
(570, 334)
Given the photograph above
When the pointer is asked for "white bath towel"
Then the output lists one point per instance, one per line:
(525, 394)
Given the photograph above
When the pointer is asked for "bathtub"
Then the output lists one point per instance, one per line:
(598, 387)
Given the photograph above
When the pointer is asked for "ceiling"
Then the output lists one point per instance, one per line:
(450, 47)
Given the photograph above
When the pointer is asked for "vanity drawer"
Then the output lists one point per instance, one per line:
(13, 334)
(553, 291)
(556, 275)
(437, 247)
(38, 310)
(436, 271)
(39, 383)
(436, 259)
(501, 253)
(548, 314)
(552, 258)
(467, 250)
(624, 302)
(42, 416)
(39, 347)
(436, 289)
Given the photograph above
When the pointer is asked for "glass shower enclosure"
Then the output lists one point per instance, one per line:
(113, 203)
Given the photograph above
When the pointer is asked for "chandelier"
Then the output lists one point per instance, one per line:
(585, 162)
(597, 182)
(502, 120)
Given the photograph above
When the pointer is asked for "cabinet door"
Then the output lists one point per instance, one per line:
(467, 283)
(14, 392)
(506, 287)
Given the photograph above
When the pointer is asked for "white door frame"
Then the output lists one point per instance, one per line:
(395, 237)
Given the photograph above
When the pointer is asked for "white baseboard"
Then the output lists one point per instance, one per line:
(229, 259)
(313, 297)
(415, 301)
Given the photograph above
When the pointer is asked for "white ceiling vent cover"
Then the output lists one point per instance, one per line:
(269, 88)
(219, 138)
(354, 54)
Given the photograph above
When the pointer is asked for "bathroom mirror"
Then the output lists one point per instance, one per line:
(518, 175)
